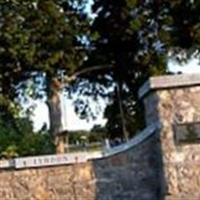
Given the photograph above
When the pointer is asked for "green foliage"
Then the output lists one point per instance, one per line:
(185, 28)
(97, 134)
(36, 144)
(39, 37)
(18, 139)
(39, 41)
(77, 136)
(136, 38)
(10, 152)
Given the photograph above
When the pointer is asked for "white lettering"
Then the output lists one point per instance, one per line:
(41, 161)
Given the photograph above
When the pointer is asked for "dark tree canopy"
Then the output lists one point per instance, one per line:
(40, 40)
(129, 39)
(137, 38)
(185, 27)
(39, 37)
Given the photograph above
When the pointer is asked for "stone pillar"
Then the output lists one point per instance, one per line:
(173, 100)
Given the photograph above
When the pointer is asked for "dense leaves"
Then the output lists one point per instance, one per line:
(39, 36)
(137, 37)
(39, 41)
(43, 40)
(124, 35)
(20, 140)
(185, 28)
(96, 134)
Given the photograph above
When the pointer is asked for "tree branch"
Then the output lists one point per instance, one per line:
(68, 79)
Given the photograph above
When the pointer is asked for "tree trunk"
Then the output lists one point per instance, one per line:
(54, 105)
(121, 110)
(55, 113)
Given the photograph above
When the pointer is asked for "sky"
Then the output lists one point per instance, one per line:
(191, 67)
(72, 121)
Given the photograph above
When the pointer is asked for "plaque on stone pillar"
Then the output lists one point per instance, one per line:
(187, 133)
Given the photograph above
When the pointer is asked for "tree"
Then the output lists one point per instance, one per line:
(118, 40)
(40, 40)
(45, 39)
(114, 124)
(20, 140)
(98, 133)
(184, 40)
(136, 37)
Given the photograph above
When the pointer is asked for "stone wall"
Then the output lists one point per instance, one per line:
(131, 171)
(151, 166)
(174, 101)
(134, 175)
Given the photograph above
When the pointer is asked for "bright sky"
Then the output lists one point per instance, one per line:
(74, 123)
(191, 67)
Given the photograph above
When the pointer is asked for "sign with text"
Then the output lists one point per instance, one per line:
(187, 132)
(52, 160)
